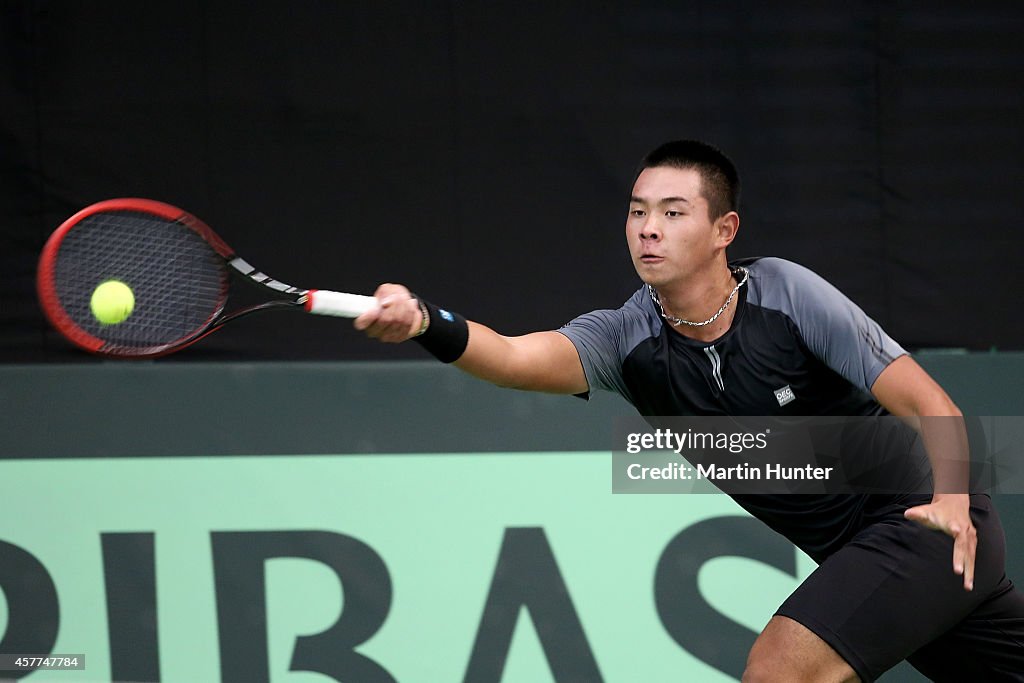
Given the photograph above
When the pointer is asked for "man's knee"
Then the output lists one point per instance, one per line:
(767, 664)
(788, 652)
(761, 671)
(778, 669)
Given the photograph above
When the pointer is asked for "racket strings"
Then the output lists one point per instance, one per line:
(178, 280)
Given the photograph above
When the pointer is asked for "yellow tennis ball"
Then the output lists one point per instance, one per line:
(112, 302)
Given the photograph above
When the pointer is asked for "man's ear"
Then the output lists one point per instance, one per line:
(727, 227)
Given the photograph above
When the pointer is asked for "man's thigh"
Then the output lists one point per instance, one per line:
(891, 590)
(986, 646)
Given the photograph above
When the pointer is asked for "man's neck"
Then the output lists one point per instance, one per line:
(699, 298)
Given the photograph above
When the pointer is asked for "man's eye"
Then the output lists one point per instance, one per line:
(673, 214)
(638, 213)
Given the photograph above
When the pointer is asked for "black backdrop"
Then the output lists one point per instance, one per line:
(482, 152)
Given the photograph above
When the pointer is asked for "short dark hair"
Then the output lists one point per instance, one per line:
(720, 181)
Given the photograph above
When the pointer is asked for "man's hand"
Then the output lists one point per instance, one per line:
(950, 514)
(396, 318)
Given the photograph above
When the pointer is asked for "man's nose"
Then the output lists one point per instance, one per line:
(650, 230)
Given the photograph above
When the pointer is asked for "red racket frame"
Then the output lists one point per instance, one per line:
(47, 264)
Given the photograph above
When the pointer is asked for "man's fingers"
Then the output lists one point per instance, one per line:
(367, 319)
(965, 537)
(964, 549)
(396, 317)
(922, 515)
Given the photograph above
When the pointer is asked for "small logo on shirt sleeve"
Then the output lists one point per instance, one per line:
(784, 395)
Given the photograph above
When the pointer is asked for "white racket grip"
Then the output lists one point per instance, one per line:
(326, 302)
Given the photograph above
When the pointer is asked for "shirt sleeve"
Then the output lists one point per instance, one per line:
(597, 337)
(835, 330)
(605, 338)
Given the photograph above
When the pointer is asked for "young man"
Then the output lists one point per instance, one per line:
(900, 577)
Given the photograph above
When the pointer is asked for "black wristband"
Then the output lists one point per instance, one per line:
(447, 335)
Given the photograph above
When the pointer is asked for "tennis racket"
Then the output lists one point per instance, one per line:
(180, 273)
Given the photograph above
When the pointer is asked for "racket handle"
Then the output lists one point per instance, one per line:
(326, 302)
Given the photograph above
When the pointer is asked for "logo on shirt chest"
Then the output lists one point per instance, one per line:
(784, 395)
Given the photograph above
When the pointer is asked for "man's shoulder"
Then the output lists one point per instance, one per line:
(783, 284)
(773, 266)
(634, 319)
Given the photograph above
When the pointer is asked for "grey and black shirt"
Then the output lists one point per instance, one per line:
(796, 346)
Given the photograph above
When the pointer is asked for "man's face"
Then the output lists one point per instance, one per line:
(668, 229)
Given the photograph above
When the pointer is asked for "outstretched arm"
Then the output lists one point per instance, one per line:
(906, 390)
(541, 361)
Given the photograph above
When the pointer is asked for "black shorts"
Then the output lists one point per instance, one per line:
(891, 594)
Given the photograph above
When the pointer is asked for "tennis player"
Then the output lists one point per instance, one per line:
(899, 577)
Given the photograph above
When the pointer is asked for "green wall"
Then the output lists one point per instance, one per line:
(374, 522)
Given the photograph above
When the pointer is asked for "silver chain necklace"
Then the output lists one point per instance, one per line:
(679, 321)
